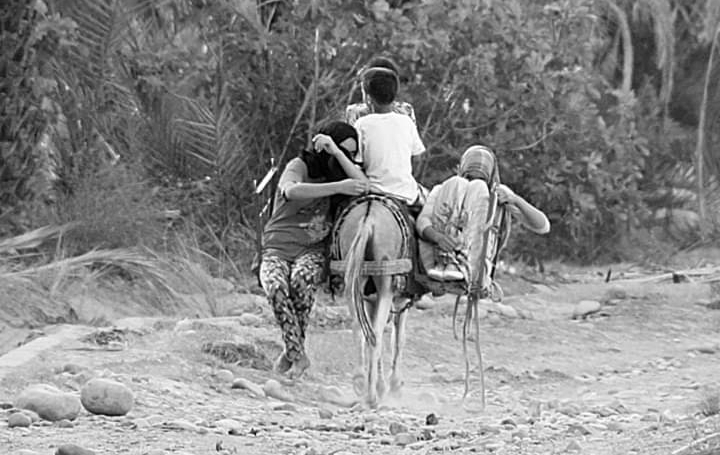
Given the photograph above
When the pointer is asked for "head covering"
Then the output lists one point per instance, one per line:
(321, 164)
(479, 162)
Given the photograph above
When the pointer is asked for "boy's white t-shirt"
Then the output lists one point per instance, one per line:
(387, 142)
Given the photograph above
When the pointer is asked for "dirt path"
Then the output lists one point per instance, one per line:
(631, 378)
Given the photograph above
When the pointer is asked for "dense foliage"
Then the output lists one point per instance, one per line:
(195, 98)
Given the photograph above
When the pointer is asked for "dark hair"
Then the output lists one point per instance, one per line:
(381, 86)
(322, 164)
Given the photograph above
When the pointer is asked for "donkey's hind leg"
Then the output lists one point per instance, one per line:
(378, 322)
(399, 321)
(359, 376)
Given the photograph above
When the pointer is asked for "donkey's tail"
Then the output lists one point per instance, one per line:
(354, 260)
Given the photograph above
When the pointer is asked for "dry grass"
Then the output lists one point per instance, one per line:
(51, 276)
(710, 403)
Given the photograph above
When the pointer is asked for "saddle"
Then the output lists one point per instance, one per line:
(403, 269)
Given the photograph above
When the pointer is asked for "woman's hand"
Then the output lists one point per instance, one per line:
(447, 243)
(353, 187)
(444, 241)
(323, 142)
(506, 195)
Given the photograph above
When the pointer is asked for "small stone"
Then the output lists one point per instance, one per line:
(403, 439)
(246, 384)
(72, 449)
(181, 424)
(493, 446)
(506, 310)
(484, 429)
(19, 419)
(334, 395)
(284, 407)
(49, 402)
(574, 446)
(508, 421)
(184, 325)
(396, 428)
(680, 278)
(708, 349)
(615, 426)
(416, 445)
(250, 319)
(431, 419)
(229, 425)
(106, 397)
(325, 413)
(300, 443)
(34, 417)
(225, 376)
(65, 423)
(155, 419)
(273, 389)
(72, 368)
(585, 308)
(142, 423)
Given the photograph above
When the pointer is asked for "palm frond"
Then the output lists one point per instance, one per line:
(211, 138)
(102, 26)
(662, 16)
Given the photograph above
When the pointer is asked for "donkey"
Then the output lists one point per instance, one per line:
(372, 236)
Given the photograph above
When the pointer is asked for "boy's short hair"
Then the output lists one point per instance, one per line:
(381, 86)
(382, 61)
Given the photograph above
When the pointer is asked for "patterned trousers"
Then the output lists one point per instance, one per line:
(290, 288)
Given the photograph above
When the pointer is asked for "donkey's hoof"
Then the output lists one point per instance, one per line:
(371, 402)
(358, 382)
(396, 385)
(381, 389)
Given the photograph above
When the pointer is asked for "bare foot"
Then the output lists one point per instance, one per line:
(298, 367)
(282, 364)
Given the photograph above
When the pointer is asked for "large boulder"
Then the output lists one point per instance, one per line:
(106, 397)
(49, 402)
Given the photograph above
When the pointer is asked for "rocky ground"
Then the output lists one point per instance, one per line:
(627, 367)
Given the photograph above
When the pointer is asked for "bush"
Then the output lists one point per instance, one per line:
(110, 208)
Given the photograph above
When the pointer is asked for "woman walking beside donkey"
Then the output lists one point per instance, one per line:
(293, 241)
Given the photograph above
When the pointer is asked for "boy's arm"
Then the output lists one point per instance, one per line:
(529, 215)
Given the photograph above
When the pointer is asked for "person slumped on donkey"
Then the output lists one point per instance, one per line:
(451, 221)
(388, 140)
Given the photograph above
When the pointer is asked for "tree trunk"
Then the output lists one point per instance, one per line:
(627, 46)
(700, 146)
